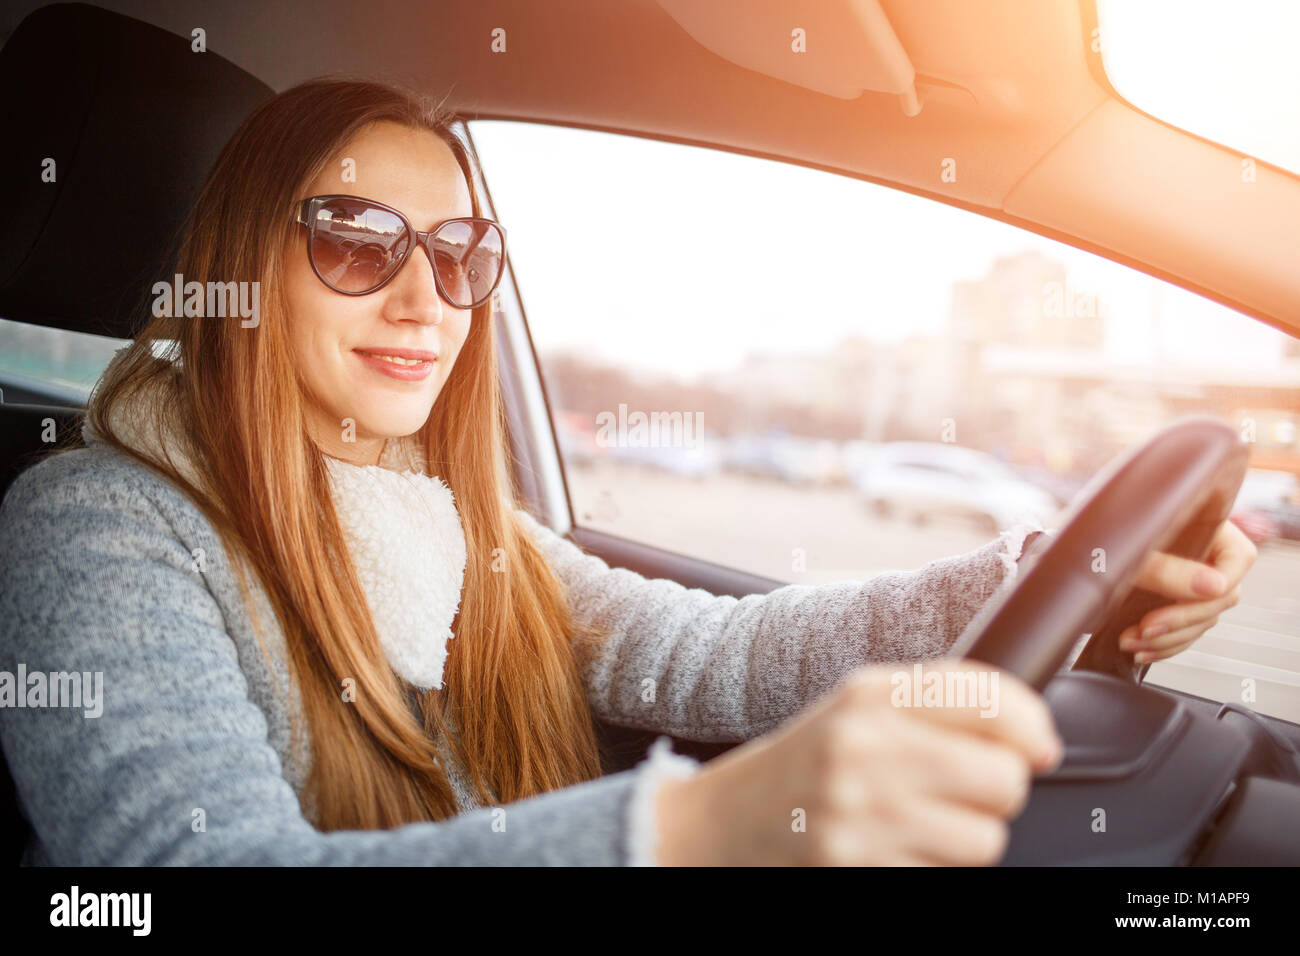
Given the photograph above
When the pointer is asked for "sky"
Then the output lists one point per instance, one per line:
(680, 259)
(1223, 69)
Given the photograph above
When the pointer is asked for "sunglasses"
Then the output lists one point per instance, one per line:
(357, 245)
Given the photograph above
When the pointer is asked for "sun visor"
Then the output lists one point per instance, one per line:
(838, 47)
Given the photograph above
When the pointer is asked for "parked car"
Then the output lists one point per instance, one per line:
(699, 459)
(919, 480)
(1062, 487)
(1266, 488)
(1265, 505)
(784, 457)
(577, 438)
(1286, 520)
(1257, 525)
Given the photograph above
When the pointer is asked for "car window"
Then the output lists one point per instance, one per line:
(39, 364)
(732, 346)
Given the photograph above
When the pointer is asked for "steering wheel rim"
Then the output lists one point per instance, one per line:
(1168, 494)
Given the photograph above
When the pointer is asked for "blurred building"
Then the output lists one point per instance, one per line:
(1022, 370)
(1043, 388)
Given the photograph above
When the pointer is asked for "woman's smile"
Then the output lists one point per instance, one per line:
(406, 365)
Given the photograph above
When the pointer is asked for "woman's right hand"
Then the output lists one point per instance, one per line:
(861, 780)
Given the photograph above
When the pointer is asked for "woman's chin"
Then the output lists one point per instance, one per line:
(390, 425)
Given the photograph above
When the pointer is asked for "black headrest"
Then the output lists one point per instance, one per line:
(133, 120)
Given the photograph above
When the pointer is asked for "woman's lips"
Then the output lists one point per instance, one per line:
(401, 372)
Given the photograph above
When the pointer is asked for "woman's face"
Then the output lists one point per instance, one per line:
(415, 172)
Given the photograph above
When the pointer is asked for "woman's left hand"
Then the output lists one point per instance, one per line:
(1202, 590)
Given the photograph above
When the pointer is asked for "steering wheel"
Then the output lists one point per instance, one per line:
(1167, 494)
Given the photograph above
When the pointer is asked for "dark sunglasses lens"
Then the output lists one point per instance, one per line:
(354, 246)
(469, 257)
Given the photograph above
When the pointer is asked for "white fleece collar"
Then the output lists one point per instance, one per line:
(407, 543)
(404, 536)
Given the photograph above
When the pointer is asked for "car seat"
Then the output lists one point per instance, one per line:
(128, 120)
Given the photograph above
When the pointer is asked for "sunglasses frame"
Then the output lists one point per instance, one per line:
(304, 215)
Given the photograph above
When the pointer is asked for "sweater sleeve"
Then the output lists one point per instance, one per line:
(168, 761)
(716, 668)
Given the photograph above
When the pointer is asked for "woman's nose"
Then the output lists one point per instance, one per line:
(417, 289)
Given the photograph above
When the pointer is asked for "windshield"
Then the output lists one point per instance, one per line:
(1222, 69)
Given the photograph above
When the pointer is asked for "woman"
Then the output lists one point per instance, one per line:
(320, 615)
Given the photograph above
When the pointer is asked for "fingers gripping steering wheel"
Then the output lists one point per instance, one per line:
(1168, 494)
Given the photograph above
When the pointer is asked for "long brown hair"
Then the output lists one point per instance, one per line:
(512, 683)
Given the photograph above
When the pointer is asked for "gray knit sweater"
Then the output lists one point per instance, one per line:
(97, 574)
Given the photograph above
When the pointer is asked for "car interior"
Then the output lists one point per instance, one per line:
(1015, 87)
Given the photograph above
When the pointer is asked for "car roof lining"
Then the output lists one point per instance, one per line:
(856, 47)
(1008, 90)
